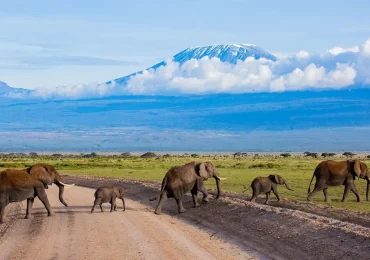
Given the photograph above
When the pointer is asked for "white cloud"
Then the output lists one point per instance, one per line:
(366, 47)
(302, 55)
(334, 69)
(339, 50)
(75, 91)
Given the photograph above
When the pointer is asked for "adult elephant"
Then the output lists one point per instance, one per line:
(189, 177)
(18, 185)
(336, 173)
(48, 175)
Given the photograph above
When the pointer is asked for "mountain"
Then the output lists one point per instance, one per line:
(10, 92)
(230, 53)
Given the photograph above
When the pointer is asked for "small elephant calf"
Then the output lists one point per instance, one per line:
(266, 185)
(108, 194)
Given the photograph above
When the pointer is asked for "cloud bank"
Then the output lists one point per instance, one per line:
(335, 68)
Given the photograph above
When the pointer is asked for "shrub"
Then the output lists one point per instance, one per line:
(285, 155)
(148, 155)
(349, 154)
(309, 154)
(125, 155)
(194, 155)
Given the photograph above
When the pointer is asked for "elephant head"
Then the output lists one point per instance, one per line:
(361, 171)
(48, 175)
(207, 170)
(279, 180)
(119, 193)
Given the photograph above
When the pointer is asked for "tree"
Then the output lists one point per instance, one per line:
(349, 154)
(148, 155)
(313, 155)
(33, 154)
(125, 155)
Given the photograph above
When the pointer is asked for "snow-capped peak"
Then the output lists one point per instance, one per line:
(230, 53)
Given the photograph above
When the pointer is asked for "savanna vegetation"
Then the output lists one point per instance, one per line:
(240, 169)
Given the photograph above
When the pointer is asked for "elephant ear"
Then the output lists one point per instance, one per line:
(203, 171)
(357, 168)
(40, 173)
(279, 179)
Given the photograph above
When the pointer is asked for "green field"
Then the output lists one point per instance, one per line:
(296, 171)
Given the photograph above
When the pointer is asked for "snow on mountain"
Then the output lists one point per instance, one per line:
(7, 91)
(229, 53)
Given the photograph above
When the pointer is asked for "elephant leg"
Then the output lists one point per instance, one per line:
(162, 199)
(354, 190)
(267, 197)
(345, 193)
(123, 204)
(2, 213)
(44, 199)
(180, 207)
(275, 191)
(318, 187)
(194, 194)
(97, 202)
(101, 207)
(326, 195)
(254, 196)
(29, 208)
(202, 188)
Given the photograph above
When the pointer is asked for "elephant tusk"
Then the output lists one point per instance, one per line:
(222, 179)
(66, 185)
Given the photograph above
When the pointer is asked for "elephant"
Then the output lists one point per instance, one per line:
(18, 185)
(336, 173)
(108, 194)
(266, 185)
(184, 178)
(48, 175)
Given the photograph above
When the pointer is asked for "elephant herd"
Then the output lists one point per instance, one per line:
(26, 184)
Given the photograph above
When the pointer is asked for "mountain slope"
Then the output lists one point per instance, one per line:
(10, 92)
(230, 53)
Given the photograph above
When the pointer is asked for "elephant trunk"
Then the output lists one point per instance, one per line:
(60, 184)
(367, 189)
(286, 185)
(61, 191)
(218, 188)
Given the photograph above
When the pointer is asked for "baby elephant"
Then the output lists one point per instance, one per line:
(108, 194)
(266, 185)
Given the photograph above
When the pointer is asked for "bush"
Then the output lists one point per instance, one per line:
(33, 154)
(349, 154)
(148, 155)
(194, 155)
(285, 155)
(309, 154)
(125, 155)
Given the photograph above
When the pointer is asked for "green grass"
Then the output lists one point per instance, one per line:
(296, 171)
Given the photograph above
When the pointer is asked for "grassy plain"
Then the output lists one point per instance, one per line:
(296, 171)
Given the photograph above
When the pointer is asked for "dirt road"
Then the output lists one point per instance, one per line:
(74, 233)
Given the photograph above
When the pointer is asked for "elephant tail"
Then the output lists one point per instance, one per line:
(245, 188)
(164, 184)
(309, 187)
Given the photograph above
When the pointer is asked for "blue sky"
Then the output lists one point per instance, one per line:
(51, 43)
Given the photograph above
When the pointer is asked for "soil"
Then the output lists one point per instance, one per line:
(228, 228)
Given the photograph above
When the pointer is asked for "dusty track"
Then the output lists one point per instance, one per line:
(251, 230)
(75, 233)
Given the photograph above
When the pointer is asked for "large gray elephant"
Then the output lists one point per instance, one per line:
(336, 173)
(18, 185)
(48, 175)
(189, 177)
(266, 185)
